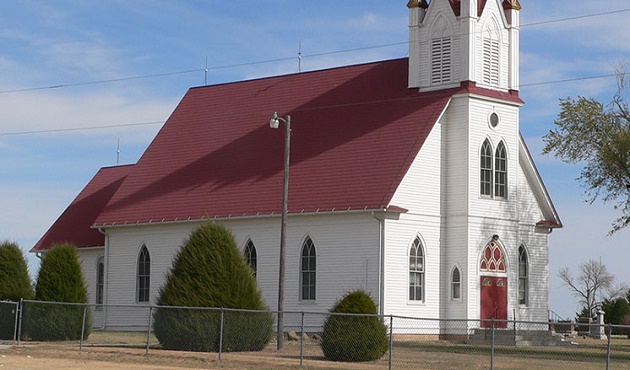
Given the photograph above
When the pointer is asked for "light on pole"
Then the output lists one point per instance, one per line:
(275, 123)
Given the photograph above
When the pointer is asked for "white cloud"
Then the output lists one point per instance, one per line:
(367, 20)
(32, 111)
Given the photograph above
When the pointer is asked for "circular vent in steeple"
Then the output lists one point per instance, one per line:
(494, 119)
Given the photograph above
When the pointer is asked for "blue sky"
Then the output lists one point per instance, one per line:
(79, 44)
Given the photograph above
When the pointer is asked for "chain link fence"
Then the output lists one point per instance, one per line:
(8, 320)
(398, 342)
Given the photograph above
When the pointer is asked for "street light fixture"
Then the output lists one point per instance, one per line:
(274, 123)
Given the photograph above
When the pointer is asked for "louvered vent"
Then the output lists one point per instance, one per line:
(441, 60)
(491, 62)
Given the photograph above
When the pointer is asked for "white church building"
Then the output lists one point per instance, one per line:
(409, 179)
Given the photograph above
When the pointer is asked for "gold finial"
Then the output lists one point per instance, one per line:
(417, 4)
(511, 4)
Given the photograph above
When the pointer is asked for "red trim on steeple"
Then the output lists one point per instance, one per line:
(457, 7)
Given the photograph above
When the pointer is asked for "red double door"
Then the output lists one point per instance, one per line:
(493, 301)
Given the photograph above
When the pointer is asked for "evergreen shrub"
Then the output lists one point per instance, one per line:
(617, 312)
(15, 284)
(354, 338)
(210, 271)
(60, 279)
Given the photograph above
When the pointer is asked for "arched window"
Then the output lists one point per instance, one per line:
(492, 258)
(308, 270)
(100, 280)
(144, 275)
(523, 276)
(416, 271)
(500, 171)
(486, 169)
(251, 256)
(456, 284)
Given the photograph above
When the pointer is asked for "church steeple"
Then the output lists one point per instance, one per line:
(457, 41)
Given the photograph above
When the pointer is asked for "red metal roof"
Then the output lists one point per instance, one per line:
(355, 132)
(74, 224)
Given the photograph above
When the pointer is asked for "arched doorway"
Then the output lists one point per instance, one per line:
(493, 285)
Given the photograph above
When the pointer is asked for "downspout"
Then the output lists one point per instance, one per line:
(381, 264)
(105, 273)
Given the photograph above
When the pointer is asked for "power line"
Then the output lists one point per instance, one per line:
(284, 59)
(100, 81)
(16, 133)
(568, 80)
(314, 108)
(575, 18)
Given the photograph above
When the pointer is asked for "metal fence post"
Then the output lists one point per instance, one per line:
(21, 309)
(302, 341)
(83, 327)
(492, 348)
(514, 311)
(391, 340)
(15, 326)
(146, 352)
(221, 335)
(609, 350)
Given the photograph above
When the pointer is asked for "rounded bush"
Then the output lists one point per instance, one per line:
(209, 272)
(15, 284)
(354, 338)
(60, 280)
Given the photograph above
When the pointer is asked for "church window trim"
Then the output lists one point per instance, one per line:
(100, 282)
(500, 171)
(251, 256)
(308, 271)
(493, 170)
(417, 263)
(485, 164)
(456, 284)
(494, 120)
(493, 258)
(143, 279)
(523, 276)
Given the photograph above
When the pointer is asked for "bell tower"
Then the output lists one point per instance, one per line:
(464, 41)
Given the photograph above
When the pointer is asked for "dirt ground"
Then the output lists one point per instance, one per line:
(125, 351)
(41, 357)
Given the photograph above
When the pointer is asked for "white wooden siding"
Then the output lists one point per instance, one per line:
(399, 236)
(419, 191)
(88, 259)
(440, 15)
(467, 46)
(347, 248)
(507, 132)
(493, 15)
(455, 153)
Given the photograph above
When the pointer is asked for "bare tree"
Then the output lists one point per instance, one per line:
(592, 281)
